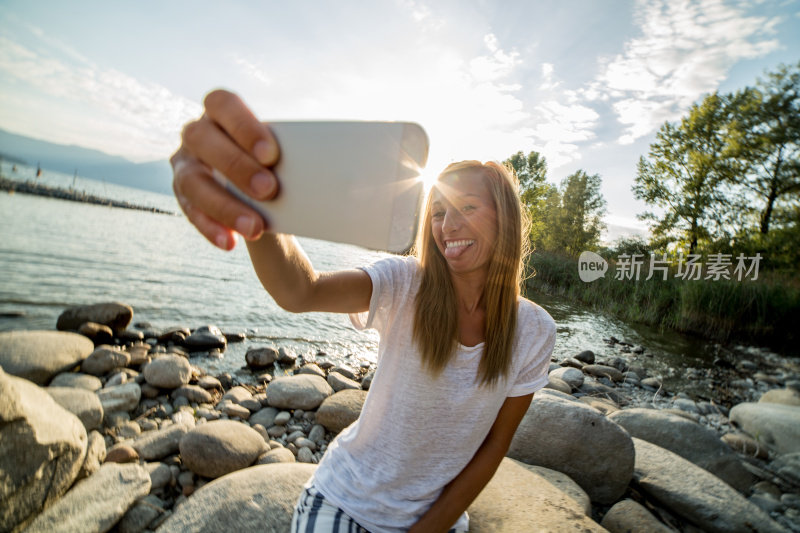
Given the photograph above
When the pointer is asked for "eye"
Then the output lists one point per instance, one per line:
(468, 208)
(437, 214)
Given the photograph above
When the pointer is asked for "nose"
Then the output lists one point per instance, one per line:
(452, 220)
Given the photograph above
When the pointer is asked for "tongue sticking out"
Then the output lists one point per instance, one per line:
(451, 251)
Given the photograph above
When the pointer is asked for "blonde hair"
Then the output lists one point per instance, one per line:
(436, 314)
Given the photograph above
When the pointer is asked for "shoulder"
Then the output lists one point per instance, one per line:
(395, 265)
(532, 316)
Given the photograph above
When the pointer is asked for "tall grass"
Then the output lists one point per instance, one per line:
(764, 311)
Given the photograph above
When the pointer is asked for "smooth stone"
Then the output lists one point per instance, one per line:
(604, 371)
(97, 333)
(554, 432)
(209, 383)
(143, 513)
(80, 402)
(286, 357)
(220, 447)
(77, 380)
(340, 382)
(341, 409)
(276, 431)
(781, 396)
(139, 353)
(788, 466)
(312, 369)
(694, 442)
(560, 385)
(128, 336)
(276, 455)
(695, 494)
(259, 498)
(776, 425)
(123, 397)
(367, 381)
(282, 418)
(552, 393)
(42, 449)
(746, 445)
(686, 405)
(115, 315)
(184, 417)
(121, 453)
(652, 383)
(193, 393)
(303, 442)
(302, 391)
(305, 455)
(628, 516)
(602, 391)
(317, 433)
(160, 475)
(206, 338)
(260, 358)
(265, 416)
(39, 355)
(155, 445)
(344, 370)
(232, 409)
(97, 502)
(168, 371)
(571, 376)
(95, 455)
(586, 356)
(237, 394)
(128, 430)
(518, 500)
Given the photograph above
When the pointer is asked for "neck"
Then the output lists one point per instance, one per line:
(469, 289)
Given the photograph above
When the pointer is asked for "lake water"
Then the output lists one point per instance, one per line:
(55, 254)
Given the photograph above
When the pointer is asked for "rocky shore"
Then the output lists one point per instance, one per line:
(40, 189)
(106, 427)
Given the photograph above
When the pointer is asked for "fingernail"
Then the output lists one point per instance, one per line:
(262, 184)
(223, 241)
(264, 152)
(246, 226)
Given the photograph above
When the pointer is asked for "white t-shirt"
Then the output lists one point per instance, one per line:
(417, 432)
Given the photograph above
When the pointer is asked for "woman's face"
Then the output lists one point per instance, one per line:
(464, 221)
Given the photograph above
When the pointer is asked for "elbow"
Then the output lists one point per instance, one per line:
(292, 305)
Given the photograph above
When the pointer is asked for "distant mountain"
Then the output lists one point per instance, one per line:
(153, 176)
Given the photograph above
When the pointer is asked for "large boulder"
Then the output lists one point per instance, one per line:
(690, 440)
(517, 499)
(782, 396)
(259, 498)
(115, 315)
(39, 355)
(220, 447)
(301, 391)
(168, 371)
(80, 402)
(774, 424)
(42, 448)
(97, 502)
(571, 376)
(695, 494)
(579, 441)
(562, 482)
(341, 409)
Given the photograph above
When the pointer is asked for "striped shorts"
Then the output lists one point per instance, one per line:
(315, 514)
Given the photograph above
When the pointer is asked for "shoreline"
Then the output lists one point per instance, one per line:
(48, 191)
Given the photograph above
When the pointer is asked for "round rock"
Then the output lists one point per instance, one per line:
(341, 409)
(39, 355)
(301, 391)
(168, 371)
(81, 403)
(220, 447)
(115, 315)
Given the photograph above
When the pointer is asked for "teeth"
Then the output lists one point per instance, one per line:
(465, 242)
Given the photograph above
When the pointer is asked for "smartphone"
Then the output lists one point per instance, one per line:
(351, 182)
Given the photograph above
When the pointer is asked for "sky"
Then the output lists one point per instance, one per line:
(587, 83)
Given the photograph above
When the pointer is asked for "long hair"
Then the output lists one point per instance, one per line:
(436, 314)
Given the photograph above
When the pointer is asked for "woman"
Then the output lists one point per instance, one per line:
(460, 355)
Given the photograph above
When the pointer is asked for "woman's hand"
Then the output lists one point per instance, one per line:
(229, 138)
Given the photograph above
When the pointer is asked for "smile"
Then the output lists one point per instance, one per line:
(454, 244)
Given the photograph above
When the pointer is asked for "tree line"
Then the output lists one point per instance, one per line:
(723, 179)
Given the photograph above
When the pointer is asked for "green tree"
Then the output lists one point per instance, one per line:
(579, 221)
(536, 194)
(687, 175)
(765, 135)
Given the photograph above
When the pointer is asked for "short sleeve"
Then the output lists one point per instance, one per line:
(391, 279)
(537, 339)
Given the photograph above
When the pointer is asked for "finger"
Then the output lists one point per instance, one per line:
(205, 140)
(198, 193)
(236, 119)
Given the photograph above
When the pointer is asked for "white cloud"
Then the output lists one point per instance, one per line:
(252, 70)
(140, 119)
(685, 49)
